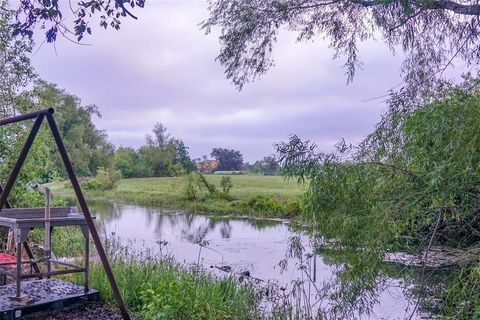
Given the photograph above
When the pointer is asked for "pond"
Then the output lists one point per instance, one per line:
(244, 244)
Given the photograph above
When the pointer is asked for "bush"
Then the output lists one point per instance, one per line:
(195, 183)
(175, 170)
(190, 189)
(264, 203)
(90, 184)
(293, 207)
(226, 184)
(106, 179)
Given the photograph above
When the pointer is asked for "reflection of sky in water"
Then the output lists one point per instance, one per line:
(244, 244)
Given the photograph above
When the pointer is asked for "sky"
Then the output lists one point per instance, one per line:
(162, 68)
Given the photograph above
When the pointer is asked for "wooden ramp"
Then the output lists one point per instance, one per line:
(48, 296)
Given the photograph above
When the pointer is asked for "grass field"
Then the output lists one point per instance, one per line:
(251, 195)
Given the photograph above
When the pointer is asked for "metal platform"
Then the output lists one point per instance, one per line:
(22, 221)
(26, 218)
(49, 296)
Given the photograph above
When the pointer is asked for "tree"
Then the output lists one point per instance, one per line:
(181, 155)
(15, 69)
(410, 185)
(268, 166)
(15, 73)
(227, 159)
(165, 155)
(431, 34)
(88, 146)
(131, 163)
(160, 139)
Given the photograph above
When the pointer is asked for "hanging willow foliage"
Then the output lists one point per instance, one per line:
(412, 184)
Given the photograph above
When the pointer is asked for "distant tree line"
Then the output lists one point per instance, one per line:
(89, 148)
(232, 160)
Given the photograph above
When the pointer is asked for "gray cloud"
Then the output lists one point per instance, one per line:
(161, 68)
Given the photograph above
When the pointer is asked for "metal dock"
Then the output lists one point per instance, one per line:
(49, 296)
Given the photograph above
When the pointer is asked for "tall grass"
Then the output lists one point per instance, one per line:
(166, 290)
(160, 288)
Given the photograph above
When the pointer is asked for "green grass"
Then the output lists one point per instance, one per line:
(66, 241)
(166, 290)
(270, 196)
(157, 288)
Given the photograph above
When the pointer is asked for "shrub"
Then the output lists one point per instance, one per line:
(190, 189)
(226, 184)
(264, 203)
(106, 179)
(90, 184)
(293, 207)
(212, 190)
(195, 183)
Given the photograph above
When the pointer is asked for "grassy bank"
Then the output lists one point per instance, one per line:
(166, 290)
(270, 196)
(155, 287)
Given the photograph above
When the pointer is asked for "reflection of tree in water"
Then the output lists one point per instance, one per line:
(428, 288)
(197, 235)
(226, 230)
(360, 281)
(195, 226)
(160, 220)
(261, 224)
(346, 293)
(103, 211)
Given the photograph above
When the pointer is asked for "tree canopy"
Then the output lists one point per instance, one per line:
(163, 155)
(88, 146)
(15, 69)
(432, 34)
(227, 159)
(412, 184)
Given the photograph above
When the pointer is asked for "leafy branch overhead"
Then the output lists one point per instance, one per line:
(431, 33)
(50, 15)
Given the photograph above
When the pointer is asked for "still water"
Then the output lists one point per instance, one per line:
(245, 244)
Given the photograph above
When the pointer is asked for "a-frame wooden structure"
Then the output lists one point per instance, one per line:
(39, 117)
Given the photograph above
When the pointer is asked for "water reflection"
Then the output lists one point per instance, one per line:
(254, 245)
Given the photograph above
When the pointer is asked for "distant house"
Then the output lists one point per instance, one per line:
(207, 166)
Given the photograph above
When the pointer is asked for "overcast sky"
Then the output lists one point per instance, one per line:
(162, 68)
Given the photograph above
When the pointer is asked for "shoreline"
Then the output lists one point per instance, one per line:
(246, 200)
